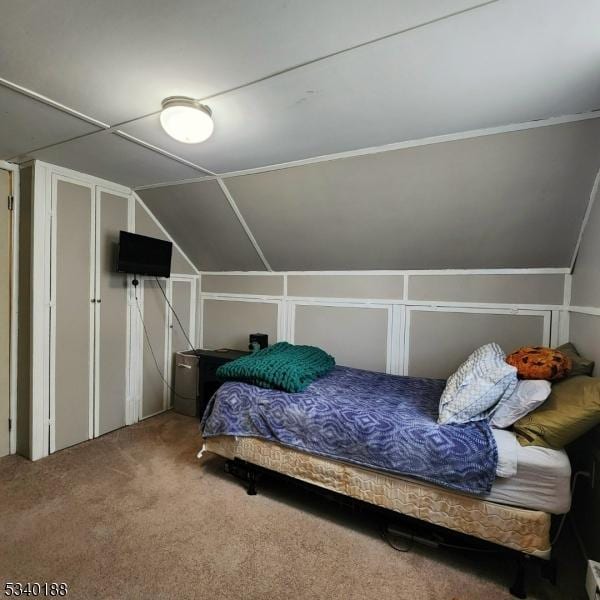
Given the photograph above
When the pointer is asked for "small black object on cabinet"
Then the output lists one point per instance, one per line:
(257, 341)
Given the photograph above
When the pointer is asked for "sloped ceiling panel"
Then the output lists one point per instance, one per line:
(497, 65)
(27, 124)
(116, 159)
(503, 201)
(145, 225)
(202, 222)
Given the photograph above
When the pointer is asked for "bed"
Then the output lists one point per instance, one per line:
(511, 505)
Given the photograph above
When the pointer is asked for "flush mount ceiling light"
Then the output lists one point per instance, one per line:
(186, 120)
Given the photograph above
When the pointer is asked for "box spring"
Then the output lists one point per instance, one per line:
(520, 529)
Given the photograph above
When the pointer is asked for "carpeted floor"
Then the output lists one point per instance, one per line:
(134, 514)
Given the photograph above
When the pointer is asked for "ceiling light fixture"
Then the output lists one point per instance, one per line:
(186, 120)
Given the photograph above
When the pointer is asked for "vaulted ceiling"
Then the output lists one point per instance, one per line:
(81, 84)
(508, 200)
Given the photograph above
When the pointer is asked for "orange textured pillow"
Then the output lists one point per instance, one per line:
(538, 362)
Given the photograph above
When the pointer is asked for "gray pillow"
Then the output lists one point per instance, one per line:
(581, 365)
(528, 395)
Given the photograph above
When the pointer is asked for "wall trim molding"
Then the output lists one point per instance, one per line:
(444, 306)
(555, 316)
(398, 311)
(520, 271)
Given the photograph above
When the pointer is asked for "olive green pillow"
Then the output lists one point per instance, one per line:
(580, 364)
(572, 408)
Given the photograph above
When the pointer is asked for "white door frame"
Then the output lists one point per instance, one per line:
(139, 341)
(14, 172)
(191, 332)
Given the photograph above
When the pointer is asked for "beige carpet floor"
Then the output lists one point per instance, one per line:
(134, 514)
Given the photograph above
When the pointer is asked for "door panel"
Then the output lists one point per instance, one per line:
(111, 324)
(73, 314)
(181, 300)
(155, 315)
(5, 255)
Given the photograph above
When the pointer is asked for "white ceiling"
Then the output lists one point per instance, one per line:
(118, 59)
(505, 62)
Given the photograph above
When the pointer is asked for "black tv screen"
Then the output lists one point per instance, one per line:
(143, 255)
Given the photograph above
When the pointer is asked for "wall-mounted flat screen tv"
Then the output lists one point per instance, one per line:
(143, 255)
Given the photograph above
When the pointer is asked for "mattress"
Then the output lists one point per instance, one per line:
(518, 528)
(531, 476)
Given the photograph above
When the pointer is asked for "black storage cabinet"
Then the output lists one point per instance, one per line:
(196, 376)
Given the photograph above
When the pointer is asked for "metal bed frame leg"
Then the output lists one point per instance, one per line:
(518, 588)
(243, 471)
(549, 570)
(251, 491)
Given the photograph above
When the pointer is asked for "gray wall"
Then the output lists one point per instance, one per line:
(533, 289)
(584, 332)
(585, 289)
(356, 337)
(440, 341)
(267, 285)
(228, 323)
(346, 286)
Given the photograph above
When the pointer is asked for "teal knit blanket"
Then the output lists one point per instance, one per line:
(282, 366)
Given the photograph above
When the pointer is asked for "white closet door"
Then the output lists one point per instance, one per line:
(183, 299)
(155, 348)
(5, 255)
(72, 313)
(112, 343)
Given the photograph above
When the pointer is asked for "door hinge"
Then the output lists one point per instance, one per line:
(10, 425)
(11, 203)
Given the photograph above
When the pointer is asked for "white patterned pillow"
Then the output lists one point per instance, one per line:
(478, 384)
(528, 395)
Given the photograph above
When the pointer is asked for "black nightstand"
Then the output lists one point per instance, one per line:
(208, 382)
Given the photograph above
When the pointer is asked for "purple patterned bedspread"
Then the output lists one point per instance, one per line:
(374, 420)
